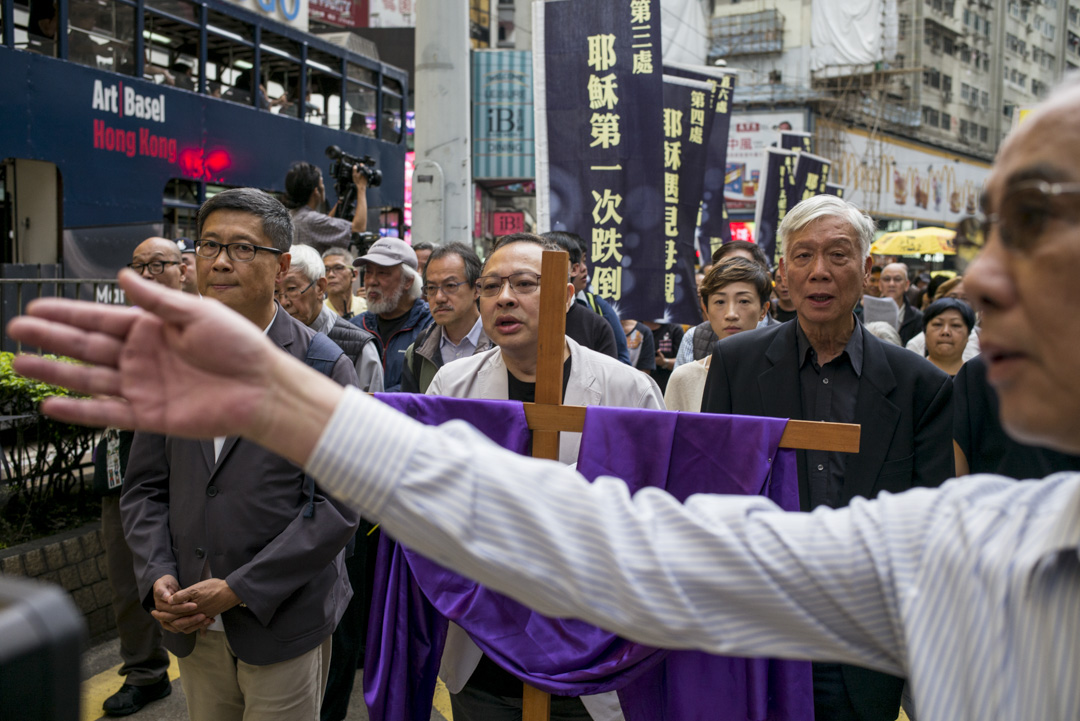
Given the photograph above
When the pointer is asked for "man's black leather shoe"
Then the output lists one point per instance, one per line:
(130, 699)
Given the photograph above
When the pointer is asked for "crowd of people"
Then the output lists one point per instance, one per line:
(251, 548)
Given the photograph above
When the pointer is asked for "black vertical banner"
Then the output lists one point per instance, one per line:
(811, 176)
(792, 140)
(687, 120)
(774, 199)
(603, 98)
(713, 227)
(834, 189)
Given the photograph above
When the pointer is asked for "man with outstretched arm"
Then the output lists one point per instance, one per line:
(971, 591)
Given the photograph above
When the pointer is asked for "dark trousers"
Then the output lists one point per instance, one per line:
(476, 705)
(145, 660)
(350, 636)
(833, 699)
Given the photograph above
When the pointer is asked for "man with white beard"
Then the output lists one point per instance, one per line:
(396, 311)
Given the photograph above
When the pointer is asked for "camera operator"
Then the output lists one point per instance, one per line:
(305, 197)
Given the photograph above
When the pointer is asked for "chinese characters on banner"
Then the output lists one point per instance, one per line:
(602, 70)
(687, 123)
(713, 223)
(791, 140)
(834, 189)
(811, 176)
(774, 197)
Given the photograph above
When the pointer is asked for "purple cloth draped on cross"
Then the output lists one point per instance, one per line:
(414, 597)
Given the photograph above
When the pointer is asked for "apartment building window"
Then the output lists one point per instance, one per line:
(930, 116)
(985, 98)
(946, 121)
(984, 132)
(932, 78)
(965, 91)
(946, 83)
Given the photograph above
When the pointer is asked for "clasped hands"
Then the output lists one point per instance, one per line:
(193, 608)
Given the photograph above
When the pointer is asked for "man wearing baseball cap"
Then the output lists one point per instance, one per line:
(396, 311)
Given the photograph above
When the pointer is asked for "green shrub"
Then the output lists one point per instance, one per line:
(45, 486)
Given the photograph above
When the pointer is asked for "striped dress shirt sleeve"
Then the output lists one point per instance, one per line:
(963, 589)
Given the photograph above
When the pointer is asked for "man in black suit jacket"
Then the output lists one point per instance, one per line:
(824, 366)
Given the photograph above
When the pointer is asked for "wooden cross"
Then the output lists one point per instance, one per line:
(547, 417)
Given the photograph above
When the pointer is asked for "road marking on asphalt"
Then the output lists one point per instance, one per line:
(441, 702)
(99, 687)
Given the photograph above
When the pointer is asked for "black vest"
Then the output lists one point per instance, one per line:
(704, 341)
(350, 338)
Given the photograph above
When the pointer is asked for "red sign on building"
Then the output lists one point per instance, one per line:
(343, 13)
(507, 222)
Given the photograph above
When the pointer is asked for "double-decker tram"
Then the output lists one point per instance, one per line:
(119, 118)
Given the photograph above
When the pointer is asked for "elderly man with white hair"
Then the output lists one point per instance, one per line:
(396, 312)
(827, 366)
(301, 294)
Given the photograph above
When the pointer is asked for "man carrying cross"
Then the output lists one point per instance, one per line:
(510, 312)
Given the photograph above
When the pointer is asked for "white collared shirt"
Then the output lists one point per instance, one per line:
(452, 352)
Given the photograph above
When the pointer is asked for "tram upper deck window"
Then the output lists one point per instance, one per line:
(392, 123)
(361, 100)
(179, 9)
(172, 47)
(281, 68)
(101, 34)
(323, 105)
(35, 24)
(230, 58)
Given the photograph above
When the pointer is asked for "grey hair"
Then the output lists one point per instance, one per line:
(907, 271)
(469, 258)
(416, 289)
(884, 331)
(276, 222)
(826, 206)
(338, 250)
(306, 260)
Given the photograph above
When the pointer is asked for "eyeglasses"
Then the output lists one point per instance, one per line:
(448, 288)
(339, 268)
(521, 283)
(292, 293)
(157, 267)
(1026, 209)
(239, 252)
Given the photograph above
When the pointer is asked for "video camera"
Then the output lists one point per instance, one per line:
(341, 172)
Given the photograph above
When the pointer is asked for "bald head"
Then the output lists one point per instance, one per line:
(154, 251)
(894, 282)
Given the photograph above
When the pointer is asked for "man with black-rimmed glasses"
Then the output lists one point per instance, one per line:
(238, 555)
(450, 289)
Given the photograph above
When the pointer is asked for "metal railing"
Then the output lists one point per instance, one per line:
(16, 293)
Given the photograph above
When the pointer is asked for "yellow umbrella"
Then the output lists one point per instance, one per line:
(924, 241)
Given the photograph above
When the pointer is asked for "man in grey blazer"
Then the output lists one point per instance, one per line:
(827, 367)
(238, 555)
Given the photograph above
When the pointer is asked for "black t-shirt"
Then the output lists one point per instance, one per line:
(784, 315)
(667, 337)
(489, 676)
(977, 430)
(389, 326)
